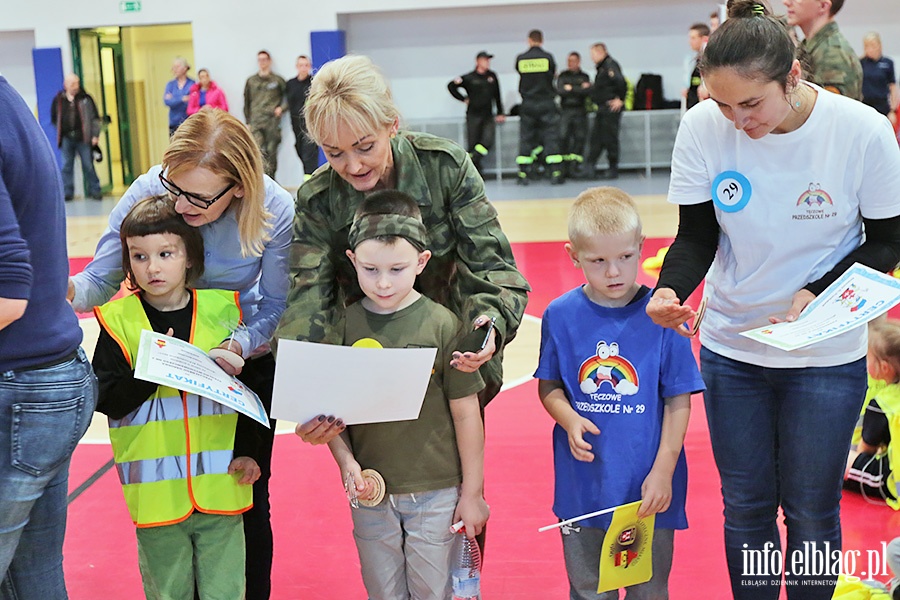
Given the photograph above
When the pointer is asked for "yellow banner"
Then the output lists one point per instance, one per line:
(626, 557)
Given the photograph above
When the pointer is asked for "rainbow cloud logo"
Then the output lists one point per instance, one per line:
(607, 366)
(815, 197)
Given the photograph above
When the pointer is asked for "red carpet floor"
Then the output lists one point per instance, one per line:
(314, 553)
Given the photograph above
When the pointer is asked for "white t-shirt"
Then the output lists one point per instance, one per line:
(789, 207)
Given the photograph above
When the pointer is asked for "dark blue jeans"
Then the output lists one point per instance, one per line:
(43, 414)
(780, 438)
(71, 147)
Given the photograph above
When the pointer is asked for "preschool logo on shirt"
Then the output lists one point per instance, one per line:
(814, 204)
(616, 372)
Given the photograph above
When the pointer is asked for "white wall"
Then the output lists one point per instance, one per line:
(16, 63)
(429, 48)
(420, 49)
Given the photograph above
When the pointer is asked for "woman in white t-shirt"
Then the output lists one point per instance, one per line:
(776, 181)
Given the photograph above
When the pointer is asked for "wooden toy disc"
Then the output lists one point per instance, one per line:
(371, 475)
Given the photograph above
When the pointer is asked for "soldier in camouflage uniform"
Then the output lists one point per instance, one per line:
(472, 270)
(833, 64)
(264, 103)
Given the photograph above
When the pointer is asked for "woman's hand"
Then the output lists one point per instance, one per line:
(801, 300)
(665, 310)
(70, 291)
(469, 362)
(320, 430)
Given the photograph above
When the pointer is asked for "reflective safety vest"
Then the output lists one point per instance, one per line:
(172, 452)
(889, 401)
(851, 588)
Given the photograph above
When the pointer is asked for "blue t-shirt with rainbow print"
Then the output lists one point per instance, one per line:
(616, 366)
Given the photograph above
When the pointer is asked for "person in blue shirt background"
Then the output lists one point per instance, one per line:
(177, 93)
(879, 80)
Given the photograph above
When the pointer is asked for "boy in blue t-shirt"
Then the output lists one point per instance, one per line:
(619, 389)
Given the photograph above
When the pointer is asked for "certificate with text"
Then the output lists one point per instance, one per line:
(855, 298)
(175, 363)
(356, 384)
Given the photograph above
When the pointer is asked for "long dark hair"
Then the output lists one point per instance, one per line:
(752, 42)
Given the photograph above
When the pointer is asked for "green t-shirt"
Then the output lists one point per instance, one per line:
(420, 455)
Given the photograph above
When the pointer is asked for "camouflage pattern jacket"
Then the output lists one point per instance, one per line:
(261, 96)
(472, 270)
(835, 67)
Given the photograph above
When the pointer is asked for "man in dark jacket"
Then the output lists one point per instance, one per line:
(573, 85)
(77, 122)
(296, 90)
(608, 93)
(482, 93)
(538, 113)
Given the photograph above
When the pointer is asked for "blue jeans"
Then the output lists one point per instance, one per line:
(43, 414)
(780, 438)
(69, 148)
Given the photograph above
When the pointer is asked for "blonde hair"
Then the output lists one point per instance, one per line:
(602, 211)
(884, 342)
(350, 91)
(872, 36)
(217, 141)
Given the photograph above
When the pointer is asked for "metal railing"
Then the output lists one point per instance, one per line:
(646, 140)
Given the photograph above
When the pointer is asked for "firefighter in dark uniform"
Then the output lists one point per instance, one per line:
(482, 92)
(538, 113)
(608, 93)
(573, 86)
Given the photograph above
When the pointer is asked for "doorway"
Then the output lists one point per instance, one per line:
(126, 70)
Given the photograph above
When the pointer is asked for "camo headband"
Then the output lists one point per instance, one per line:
(370, 226)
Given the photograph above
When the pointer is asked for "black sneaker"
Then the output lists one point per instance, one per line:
(97, 196)
(611, 173)
(68, 197)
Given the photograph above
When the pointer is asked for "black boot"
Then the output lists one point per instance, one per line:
(587, 172)
(611, 173)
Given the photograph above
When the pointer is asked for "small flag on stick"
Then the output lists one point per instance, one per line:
(626, 557)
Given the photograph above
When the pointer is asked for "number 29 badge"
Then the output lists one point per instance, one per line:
(731, 191)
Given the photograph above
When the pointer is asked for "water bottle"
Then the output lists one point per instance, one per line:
(466, 570)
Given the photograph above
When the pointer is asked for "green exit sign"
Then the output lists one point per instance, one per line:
(127, 6)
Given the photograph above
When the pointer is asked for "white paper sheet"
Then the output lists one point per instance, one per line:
(169, 361)
(358, 385)
(855, 298)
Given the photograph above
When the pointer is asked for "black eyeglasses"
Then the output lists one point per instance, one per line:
(197, 201)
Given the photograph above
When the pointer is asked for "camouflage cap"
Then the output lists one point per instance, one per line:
(371, 226)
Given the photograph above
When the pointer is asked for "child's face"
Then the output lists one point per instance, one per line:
(159, 263)
(387, 273)
(610, 266)
(878, 368)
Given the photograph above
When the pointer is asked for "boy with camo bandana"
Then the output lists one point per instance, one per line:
(433, 467)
